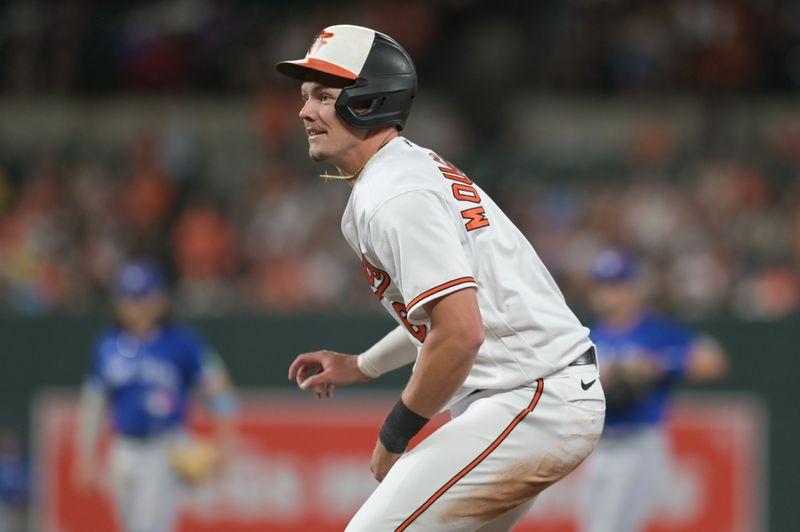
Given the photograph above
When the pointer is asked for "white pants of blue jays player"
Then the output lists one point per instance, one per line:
(144, 485)
(483, 469)
(625, 478)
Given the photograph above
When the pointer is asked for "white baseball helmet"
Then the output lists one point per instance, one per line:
(384, 80)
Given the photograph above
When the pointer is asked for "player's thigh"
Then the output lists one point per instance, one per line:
(508, 520)
(502, 451)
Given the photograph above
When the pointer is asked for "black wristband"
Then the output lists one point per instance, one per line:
(400, 426)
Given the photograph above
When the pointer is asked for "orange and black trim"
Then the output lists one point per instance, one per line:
(481, 457)
(320, 65)
(437, 289)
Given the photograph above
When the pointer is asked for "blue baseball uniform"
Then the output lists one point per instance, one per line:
(652, 337)
(147, 381)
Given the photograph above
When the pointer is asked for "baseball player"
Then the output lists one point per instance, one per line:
(144, 370)
(491, 336)
(643, 356)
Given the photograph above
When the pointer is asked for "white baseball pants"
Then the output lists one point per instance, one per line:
(483, 469)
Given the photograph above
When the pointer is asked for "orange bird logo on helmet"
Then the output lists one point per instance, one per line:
(319, 41)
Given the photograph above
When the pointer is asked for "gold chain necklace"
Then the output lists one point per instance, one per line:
(327, 177)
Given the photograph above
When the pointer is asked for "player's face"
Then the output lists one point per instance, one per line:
(329, 137)
(141, 315)
(615, 299)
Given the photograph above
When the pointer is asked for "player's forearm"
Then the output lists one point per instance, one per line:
(446, 358)
(444, 363)
(390, 352)
(224, 406)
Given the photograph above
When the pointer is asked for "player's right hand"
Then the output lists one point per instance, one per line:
(322, 370)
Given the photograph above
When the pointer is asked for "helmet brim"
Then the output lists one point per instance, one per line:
(298, 69)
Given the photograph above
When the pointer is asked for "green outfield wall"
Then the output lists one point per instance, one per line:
(37, 353)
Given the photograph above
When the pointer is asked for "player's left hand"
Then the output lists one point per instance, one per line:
(322, 370)
(382, 461)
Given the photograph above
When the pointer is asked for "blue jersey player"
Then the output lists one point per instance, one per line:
(642, 355)
(143, 373)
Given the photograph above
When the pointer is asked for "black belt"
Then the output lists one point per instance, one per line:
(588, 357)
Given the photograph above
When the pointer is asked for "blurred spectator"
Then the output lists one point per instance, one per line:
(148, 194)
(33, 237)
(717, 234)
(768, 294)
(205, 259)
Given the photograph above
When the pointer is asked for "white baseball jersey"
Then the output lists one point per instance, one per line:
(423, 229)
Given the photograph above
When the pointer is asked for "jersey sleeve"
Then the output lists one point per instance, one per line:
(192, 359)
(204, 363)
(418, 242)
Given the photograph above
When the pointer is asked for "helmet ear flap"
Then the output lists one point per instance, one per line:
(390, 100)
(360, 105)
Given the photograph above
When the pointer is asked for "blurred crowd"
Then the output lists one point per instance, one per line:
(84, 46)
(716, 235)
(721, 238)
(718, 229)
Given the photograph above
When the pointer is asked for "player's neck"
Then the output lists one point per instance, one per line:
(145, 331)
(357, 159)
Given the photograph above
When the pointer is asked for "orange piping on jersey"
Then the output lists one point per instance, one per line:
(481, 457)
(436, 289)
